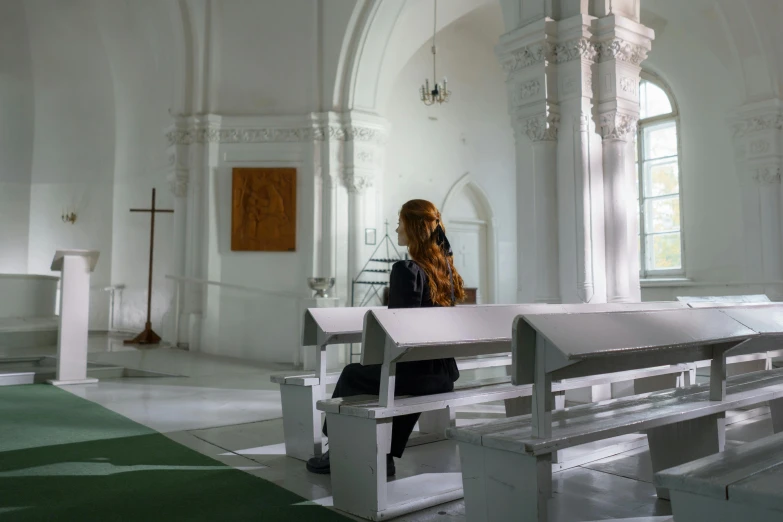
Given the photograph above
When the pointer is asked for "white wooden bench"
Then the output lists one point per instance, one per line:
(300, 390)
(743, 483)
(360, 427)
(323, 327)
(744, 363)
(506, 464)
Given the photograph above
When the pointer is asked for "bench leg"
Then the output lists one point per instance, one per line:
(437, 421)
(301, 421)
(776, 412)
(685, 441)
(517, 487)
(357, 450)
(518, 406)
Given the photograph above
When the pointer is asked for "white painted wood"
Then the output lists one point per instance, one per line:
(518, 487)
(16, 378)
(76, 266)
(357, 452)
(745, 479)
(697, 301)
(696, 508)
(437, 421)
(776, 412)
(542, 394)
(478, 392)
(301, 421)
(587, 423)
(619, 337)
(680, 442)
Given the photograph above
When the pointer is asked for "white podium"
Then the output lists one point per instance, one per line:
(75, 266)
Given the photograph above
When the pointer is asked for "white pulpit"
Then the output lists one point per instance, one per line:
(75, 267)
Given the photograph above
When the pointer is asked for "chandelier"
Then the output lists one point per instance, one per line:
(439, 93)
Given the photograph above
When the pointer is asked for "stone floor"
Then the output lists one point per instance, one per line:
(228, 409)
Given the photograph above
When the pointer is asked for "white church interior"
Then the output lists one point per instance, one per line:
(198, 205)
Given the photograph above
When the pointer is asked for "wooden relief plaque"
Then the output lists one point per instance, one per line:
(263, 209)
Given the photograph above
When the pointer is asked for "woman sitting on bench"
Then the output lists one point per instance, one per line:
(430, 279)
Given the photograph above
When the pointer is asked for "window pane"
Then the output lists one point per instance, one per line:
(662, 215)
(653, 100)
(660, 140)
(661, 178)
(663, 252)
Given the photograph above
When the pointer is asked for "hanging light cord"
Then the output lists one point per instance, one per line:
(434, 31)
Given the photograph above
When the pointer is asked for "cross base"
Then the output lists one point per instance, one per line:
(145, 337)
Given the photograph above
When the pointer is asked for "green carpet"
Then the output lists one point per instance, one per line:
(64, 458)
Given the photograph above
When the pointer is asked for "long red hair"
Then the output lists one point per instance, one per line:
(419, 219)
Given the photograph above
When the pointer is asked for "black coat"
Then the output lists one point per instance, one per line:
(408, 288)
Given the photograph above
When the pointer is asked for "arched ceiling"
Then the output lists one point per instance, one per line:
(744, 36)
(395, 30)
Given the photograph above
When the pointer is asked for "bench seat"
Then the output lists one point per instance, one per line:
(592, 422)
(306, 378)
(467, 393)
(741, 482)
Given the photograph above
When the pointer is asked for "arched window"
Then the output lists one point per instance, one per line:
(658, 181)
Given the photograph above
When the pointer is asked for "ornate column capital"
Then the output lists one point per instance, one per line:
(540, 128)
(178, 183)
(758, 138)
(620, 50)
(616, 125)
(769, 175)
(357, 182)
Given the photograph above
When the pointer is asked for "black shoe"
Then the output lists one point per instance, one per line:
(322, 465)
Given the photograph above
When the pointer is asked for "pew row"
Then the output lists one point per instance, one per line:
(300, 390)
(360, 427)
(324, 327)
(506, 464)
(742, 483)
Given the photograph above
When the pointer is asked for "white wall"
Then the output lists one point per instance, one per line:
(139, 46)
(266, 57)
(16, 136)
(430, 149)
(73, 157)
(706, 92)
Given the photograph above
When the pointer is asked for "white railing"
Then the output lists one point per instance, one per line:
(179, 281)
(113, 290)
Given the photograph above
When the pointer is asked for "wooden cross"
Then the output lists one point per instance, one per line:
(148, 336)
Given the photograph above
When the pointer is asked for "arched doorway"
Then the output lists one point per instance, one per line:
(472, 233)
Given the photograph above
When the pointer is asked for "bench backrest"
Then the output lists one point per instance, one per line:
(707, 301)
(334, 325)
(398, 335)
(569, 346)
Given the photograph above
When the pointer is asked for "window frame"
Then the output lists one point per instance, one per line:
(673, 116)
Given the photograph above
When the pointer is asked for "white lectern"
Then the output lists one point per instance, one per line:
(75, 266)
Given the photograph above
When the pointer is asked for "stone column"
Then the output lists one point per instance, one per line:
(579, 184)
(622, 45)
(178, 177)
(525, 55)
(758, 135)
(364, 138)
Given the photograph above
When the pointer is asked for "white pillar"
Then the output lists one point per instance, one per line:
(525, 55)
(622, 45)
(758, 135)
(364, 140)
(584, 235)
(178, 178)
(75, 266)
(356, 185)
(547, 286)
